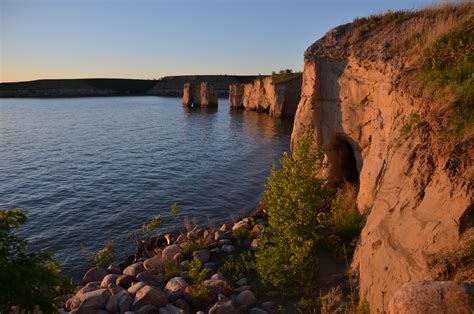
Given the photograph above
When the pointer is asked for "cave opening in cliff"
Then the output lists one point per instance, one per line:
(344, 165)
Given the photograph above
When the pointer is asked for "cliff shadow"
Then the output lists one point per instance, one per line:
(199, 110)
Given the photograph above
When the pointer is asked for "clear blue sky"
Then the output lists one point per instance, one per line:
(146, 39)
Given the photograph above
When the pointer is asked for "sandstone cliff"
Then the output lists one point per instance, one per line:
(202, 95)
(382, 132)
(263, 95)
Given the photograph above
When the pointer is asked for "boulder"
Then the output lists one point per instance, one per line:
(95, 299)
(150, 277)
(134, 269)
(135, 287)
(245, 298)
(174, 289)
(108, 279)
(203, 255)
(154, 263)
(94, 274)
(147, 309)
(124, 281)
(218, 286)
(151, 295)
(257, 310)
(171, 309)
(240, 225)
(227, 248)
(72, 303)
(433, 297)
(223, 306)
(114, 269)
(170, 251)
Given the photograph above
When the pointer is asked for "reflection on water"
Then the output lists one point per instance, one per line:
(92, 169)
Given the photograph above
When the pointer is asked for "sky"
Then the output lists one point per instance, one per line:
(148, 39)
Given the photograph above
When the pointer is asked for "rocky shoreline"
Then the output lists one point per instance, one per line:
(178, 273)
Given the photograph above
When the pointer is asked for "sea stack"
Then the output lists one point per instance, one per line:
(201, 94)
(267, 94)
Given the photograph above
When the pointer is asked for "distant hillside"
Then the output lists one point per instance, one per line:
(166, 86)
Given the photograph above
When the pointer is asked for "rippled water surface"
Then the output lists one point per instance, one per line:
(92, 169)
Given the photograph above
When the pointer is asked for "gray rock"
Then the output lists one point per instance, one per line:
(171, 309)
(268, 305)
(182, 304)
(203, 255)
(94, 274)
(224, 228)
(240, 225)
(223, 306)
(135, 287)
(155, 264)
(219, 235)
(218, 286)
(218, 276)
(184, 264)
(147, 309)
(224, 242)
(228, 248)
(114, 269)
(134, 269)
(242, 282)
(95, 299)
(151, 295)
(108, 279)
(245, 298)
(257, 310)
(174, 289)
(124, 281)
(257, 228)
(254, 244)
(433, 297)
(151, 278)
(242, 288)
(72, 303)
(170, 251)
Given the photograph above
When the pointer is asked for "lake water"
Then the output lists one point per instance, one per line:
(92, 169)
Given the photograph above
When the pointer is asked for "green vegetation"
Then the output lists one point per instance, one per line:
(450, 62)
(171, 269)
(449, 65)
(292, 200)
(27, 279)
(195, 270)
(104, 256)
(385, 18)
(235, 265)
(200, 296)
(175, 210)
(413, 123)
(304, 214)
(285, 76)
(147, 228)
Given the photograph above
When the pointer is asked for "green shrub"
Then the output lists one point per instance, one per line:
(195, 270)
(189, 247)
(294, 195)
(200, 296)
(104, 256)
(171, 269)
(235, 265)
(154, 223)
(27, 279)
(344, 217)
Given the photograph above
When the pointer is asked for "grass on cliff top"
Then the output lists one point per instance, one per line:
(285, 77)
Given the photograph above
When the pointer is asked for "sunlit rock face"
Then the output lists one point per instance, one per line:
(201, 94)
(280, 99)
(416, 189)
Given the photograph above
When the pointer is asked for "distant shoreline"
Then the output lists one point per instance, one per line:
(167, 86)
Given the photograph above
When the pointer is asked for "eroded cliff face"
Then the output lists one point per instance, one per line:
(280, 99)
(202, 94)
(416, 188)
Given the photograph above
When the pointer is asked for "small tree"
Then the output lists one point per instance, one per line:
(27, 279)
(294, 195)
